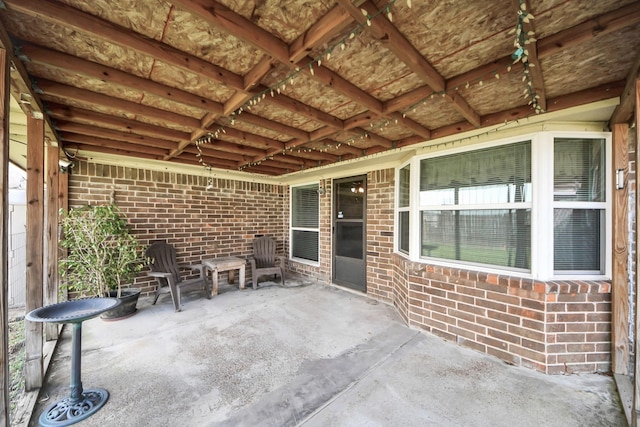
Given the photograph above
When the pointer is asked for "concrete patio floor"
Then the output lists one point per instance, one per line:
(311, 355)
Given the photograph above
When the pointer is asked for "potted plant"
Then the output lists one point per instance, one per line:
(102, 255)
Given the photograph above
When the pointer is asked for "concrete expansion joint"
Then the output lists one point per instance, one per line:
(359, 379)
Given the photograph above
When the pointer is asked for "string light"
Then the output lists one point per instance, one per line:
(520, 54)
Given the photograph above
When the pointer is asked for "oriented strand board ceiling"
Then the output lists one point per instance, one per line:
(276, 86)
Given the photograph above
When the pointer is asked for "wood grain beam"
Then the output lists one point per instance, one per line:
(72, 64)
(108, 150)
(240, 27)
(115, 135)
(590, 29)
(620, 279)
(62, 91)
(252, 139)
(224, 18)
(407, 100)
(336, 20)
(70, 17)
(5, 377)
(397, 43)
(273, 125)
(230, 147)
(20, 83)
(33, 365)
(92, 118)
(111, 143)
(624, 110)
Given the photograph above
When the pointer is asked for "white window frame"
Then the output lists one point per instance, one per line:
(542, 206)
(403, 208)
(292, 228)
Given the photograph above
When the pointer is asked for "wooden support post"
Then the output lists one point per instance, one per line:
(51, 329)
(63, 203)
(620, 283)
(35, 247)
(636, 380)
(5, 408)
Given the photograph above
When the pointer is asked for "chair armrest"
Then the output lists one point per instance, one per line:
(281, 259)
(252, 261)
(158, 274)
(161, 275)
(198, 267)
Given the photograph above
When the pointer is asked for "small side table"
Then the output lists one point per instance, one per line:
(80, 404)
(230, 264)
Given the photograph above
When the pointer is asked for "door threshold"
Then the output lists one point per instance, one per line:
(348, 289)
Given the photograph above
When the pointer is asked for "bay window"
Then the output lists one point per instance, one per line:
(536, 206)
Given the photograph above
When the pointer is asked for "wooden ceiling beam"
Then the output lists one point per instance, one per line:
(333, 80)
(286, 166)
(251, 80)
(331, 23)
(305, 110)
(70, 17)
(251, 139)
(293, 160)
(230, 147)
(114, 135)
(590, 29)
(407, 100)
(72, 64)
(237, 25)
(92, 118)
(624, 110)
(224, 18)
(226, 155)
(20, 86)
(101, 149)
(113, 144)
(397, 43)
(273, 125)
(206, 160)
(412, 125)
(352, 149)
(59, 90)
(375, 138)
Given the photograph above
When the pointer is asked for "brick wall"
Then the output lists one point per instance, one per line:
(553, 327)
(380, 232)
(177, 207)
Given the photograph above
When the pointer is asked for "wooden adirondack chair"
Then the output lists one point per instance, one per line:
(264, 260)
(164, 267)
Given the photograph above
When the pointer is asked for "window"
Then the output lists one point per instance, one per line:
(305, 228)
(404, 181)
(475, 207)
(536, 207)
(579, 206)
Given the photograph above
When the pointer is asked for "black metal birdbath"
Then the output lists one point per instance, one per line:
(81, 403)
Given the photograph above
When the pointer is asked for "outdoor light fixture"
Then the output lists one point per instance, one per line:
(619, 179)
(64, 163)
(357, 188)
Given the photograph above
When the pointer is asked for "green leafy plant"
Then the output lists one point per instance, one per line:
(102, 253)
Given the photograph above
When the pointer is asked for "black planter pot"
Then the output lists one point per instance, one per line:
(127, 308)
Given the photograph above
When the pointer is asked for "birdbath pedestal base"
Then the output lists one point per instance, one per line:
(80, 404)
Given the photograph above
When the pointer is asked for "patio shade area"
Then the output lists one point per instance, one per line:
(313, 355)
(278, 87)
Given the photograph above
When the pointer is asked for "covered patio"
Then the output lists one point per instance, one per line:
(309, 355)
(462, 172)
